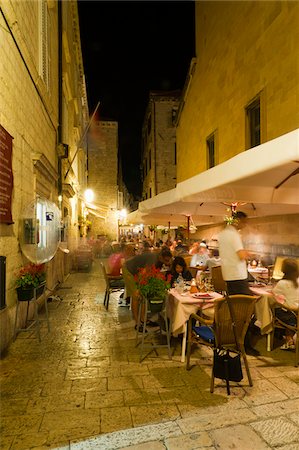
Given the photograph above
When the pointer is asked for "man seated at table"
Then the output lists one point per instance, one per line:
(161, 260)
(200, 258)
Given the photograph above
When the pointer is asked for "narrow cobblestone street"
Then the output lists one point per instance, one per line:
(83, 387)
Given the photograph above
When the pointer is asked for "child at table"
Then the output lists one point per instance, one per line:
(286, 291)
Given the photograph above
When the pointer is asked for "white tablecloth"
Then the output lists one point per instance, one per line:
(263, 309)
(180, 308)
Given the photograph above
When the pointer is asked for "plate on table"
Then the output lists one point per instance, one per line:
(202, 296)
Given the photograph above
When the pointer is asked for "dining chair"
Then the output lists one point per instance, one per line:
(113, 283)
(150, 337)
(277, 323)
(218, 333)
(217, 280)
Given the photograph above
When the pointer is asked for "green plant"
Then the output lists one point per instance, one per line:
(31, 275)
(151, 282)
(231, 220)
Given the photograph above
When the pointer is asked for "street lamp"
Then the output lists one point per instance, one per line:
(89, 195)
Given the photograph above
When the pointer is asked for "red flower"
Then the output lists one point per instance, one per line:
(151, 281)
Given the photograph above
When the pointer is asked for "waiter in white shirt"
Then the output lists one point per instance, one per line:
(233, 256)
(234, 266)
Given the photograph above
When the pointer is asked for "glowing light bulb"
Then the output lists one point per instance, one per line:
(89, 195)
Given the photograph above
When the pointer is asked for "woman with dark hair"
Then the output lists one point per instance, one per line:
(179, 267)
(287, 290)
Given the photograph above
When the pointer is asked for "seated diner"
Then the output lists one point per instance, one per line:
(287, 290)
(200, 258)
(179, 267)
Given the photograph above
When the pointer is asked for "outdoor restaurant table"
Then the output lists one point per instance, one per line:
(181, 306)
(263, 310)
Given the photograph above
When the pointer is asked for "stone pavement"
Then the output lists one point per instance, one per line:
(83, 387)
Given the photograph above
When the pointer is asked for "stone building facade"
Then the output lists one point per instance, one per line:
(241, 102)
(43, 106)
(246, 55)
(103, 179)
(159, 143)
(241, 92)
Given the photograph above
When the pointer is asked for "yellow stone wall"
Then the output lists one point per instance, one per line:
(242, 49)
(29, 112)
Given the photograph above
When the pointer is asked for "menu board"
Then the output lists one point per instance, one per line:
(6, 176)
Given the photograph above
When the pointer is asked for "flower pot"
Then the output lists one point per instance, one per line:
(156, 304)
(25, 294)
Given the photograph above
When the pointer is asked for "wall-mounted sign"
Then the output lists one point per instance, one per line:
(6, 176)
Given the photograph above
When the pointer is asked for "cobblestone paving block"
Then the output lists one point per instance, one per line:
(141, 396)
(100, 361)
(287, 386)
(145, 414)
(68, 402)
(210, 404)
(125, 438)
(80, 373)
(6, 441)
(268, 372)
(13, 406)
(123, 383)
(240, 437)
(38, 405)
(262, 392)
(277, 431)
(84, 422)
(104, 399)
(182, 394)
(289, 371)
(89, 385)
(37, 440)
(276, 409)
(134, 370)
(52, 388)
(207, 421)
(17, 424)
(72, 363)
(189, 441)
(117, 418)
(295, 418)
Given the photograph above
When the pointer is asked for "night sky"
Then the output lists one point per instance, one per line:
(129, 49)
